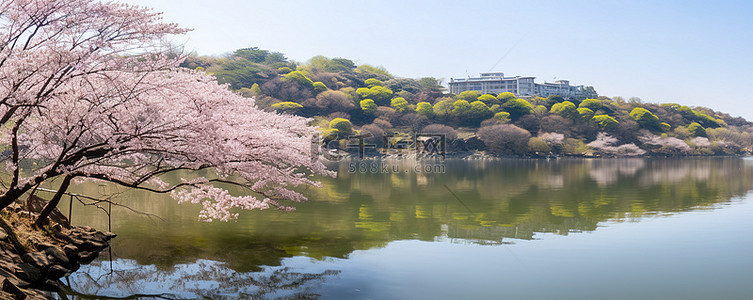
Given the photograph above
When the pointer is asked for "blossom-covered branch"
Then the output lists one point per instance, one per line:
(87, 92)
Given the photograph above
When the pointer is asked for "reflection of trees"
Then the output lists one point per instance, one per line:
(506, 199)
(201, 279)
(606, 172)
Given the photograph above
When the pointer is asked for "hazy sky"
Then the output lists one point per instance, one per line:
(689, 52)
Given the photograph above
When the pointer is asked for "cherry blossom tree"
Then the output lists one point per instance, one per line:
(665, 145)
(88, 91)
(606, 144)
(552, 138)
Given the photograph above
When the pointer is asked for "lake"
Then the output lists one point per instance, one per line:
(477, 229)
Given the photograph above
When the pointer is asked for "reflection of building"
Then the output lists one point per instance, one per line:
(488, 234)
(495, 234)
(522, 86)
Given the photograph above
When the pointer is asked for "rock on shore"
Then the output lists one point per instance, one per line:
(32, 261)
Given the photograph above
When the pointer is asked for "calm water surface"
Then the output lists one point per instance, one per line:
(508, 229)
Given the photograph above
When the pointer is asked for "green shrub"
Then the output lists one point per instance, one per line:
(468, 96)
(694, 116)
(592, 104)
(502, 117)
(540, 110)
(488, 99)
(605, 122)
(574, 146)
(479, 111)
(372, 82)
(368, 107)
(517, 108)
(425, 109)
(565, 109)
(300, 78)
(381, 95)
(287, 107)
(554, 99)
(696, 129)
(585, 114)
(506, 96)
(443, 109)
(320, 87)
(665, 127)
(460, 108)
(399, 104)
(342, 125)
(255, 89)
(645, 118)
(329, 134)
(682, 132)
(537, 144)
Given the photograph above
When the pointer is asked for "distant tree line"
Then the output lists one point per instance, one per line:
(371, 99)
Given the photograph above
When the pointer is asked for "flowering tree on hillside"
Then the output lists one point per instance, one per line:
(87, 92)
(665, 145)
(606, 144)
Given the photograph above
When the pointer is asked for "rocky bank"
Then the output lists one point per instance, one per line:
(32, 260)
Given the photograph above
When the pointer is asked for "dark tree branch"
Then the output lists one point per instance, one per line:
(42, 219)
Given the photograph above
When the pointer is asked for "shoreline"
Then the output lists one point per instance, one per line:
(33, 260)
(343, 156)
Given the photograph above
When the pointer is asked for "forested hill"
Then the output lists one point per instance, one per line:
(345, 99)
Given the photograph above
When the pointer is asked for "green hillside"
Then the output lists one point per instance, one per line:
(344, 99)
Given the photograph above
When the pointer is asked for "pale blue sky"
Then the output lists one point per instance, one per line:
(690, 52)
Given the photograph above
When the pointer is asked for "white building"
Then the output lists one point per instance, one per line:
(521, 86)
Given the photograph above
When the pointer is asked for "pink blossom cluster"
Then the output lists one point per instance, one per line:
(700, 141)
(88, 90)
(606, 144)
(553, 138)
(667, 144)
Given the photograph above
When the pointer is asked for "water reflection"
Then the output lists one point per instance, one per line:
(497, 202)
(200, 279)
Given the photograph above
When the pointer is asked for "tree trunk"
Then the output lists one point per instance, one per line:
(42, 219)
(12, 237)
(13, 192)
(9, 197)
